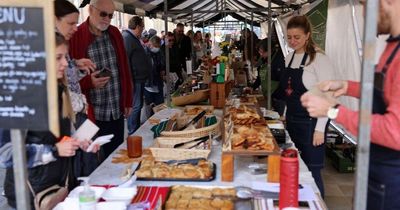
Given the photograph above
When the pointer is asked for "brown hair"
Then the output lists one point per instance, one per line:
(303, 23)
(67, 111)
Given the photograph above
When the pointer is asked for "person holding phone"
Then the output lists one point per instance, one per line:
(109, 98)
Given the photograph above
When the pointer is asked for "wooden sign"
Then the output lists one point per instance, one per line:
(28, 83)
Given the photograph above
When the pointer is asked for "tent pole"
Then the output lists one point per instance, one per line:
(252, 44)
(269, 70)
(20, 171)
(167, 67)
(364, 127)
(193, 51)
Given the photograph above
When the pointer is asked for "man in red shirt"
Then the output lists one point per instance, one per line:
(384, 170)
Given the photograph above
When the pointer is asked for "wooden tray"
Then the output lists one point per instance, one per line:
(227, 147)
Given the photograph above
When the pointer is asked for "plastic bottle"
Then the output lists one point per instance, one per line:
(87, 198)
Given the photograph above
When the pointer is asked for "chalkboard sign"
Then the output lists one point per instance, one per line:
(28, 83)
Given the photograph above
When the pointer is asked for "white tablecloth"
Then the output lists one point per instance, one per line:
(110, 174)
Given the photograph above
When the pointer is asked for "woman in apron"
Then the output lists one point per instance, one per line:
(305, 67)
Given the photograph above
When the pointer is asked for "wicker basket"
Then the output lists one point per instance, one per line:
(162, 149)
(195, 97)
(212, 129)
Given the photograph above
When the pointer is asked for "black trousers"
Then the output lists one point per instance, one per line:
(115, 127)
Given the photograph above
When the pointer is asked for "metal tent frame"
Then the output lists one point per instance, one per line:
(360, 197)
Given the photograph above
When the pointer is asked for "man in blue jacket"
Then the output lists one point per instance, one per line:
(140, 65)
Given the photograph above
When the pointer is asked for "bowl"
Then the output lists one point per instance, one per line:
(120, 194)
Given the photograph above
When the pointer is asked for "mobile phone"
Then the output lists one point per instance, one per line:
(104, 72)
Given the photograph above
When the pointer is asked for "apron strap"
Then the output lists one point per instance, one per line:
(390, 59)
(303, 62)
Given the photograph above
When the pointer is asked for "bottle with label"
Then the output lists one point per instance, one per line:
(87, 198)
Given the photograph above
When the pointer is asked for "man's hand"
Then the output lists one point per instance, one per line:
(127, 112)
(98, 82)
(86, 65)
(339, 87)
(318, 138)
(316, 106)
(67, 148)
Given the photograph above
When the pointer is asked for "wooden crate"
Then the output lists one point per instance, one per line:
(219, 92)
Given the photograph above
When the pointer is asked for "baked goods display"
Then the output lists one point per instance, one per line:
(252, 138)
(152, 170)
(192, 198)
(245, 115)
(246, 130)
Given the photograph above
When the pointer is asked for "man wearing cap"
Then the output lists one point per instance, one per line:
(110, 96)
(140, 64)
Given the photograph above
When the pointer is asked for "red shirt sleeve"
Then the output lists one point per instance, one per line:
(385, 129)
(353, 89)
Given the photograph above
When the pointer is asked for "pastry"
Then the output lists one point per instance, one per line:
(192, 173)
(217, 203)
(177, 173)
(228, 205)
(182, 203)
(202, 194)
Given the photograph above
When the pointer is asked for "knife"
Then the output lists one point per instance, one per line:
(194, 120)
(183, 143)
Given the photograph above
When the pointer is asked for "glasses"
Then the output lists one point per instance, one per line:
(104, 14)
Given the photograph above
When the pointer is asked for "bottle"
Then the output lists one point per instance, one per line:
(289, 179)
(87, 198)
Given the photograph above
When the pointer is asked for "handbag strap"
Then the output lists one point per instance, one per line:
(66, 180)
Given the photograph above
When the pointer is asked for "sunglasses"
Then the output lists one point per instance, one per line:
(104, 14)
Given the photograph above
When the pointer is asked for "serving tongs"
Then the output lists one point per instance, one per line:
(194, 120)
(193, 161)
(197, 140)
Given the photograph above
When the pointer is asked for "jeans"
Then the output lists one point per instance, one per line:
(137, 104)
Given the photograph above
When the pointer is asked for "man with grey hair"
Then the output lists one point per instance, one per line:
(108, 90)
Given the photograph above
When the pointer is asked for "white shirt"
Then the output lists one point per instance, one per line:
(319, 70)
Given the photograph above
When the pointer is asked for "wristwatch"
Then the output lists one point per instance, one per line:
(333, 112)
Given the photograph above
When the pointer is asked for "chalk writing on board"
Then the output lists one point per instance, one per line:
(23, 75)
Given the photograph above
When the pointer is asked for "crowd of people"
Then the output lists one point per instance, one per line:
(107, 76)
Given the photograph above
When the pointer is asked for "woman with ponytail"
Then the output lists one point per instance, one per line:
(306, 66)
